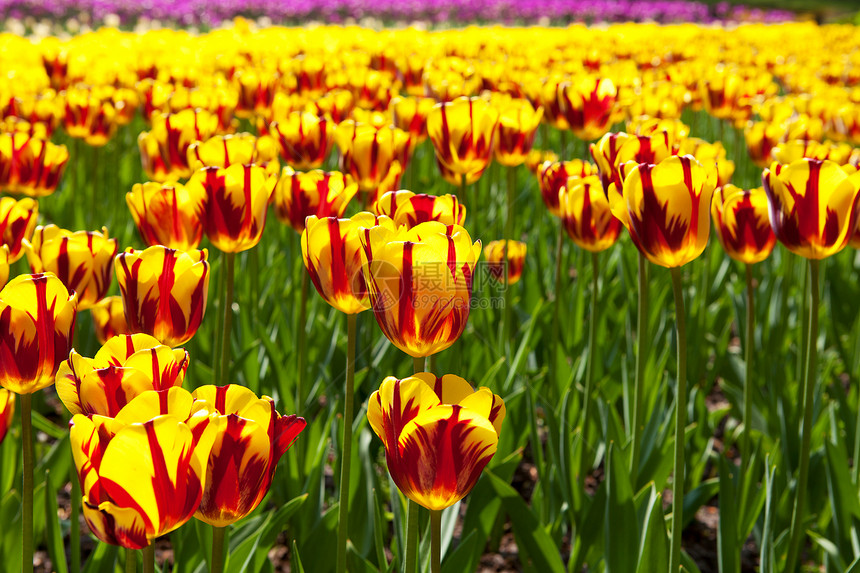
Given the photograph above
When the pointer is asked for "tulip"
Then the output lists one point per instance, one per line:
(588, 106)
(236, 205)
(168, 214)
(304, 138)
(336, 105)
(257, 88)
(537, 157)
(109, 318)
(331, 249)
(126, 366)
(4, 265)
(605, 154)
(41, 111)
(665, 208)
(791, 151)
(711, 155)
(29, 165)
(90, 115)
(585, 214)
(163, 292)
(240, 148)
(518, 123)
(742, 224)
(410, 115)
(761, 138)
(7, 411)
(410, 209)
(164, 149)
(420, 283)
(82, 260)
(812, 205)
(438, 435)
(244, 457)
(320, 193)
(143, 473)
(17, 223)
(37, 320)
(505, 256)
(554, 175)
(375, 158)
(462, 132)
(551, 102)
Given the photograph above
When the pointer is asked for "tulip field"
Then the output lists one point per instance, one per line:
(495, 298)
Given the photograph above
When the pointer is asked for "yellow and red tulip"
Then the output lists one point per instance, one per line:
(463, 132)
(7, 411)
(375, 158)
(257, 88)
(37, 321)
(585, 214)
(298, 195)
(812, 205)
(553, 175)
(164, 149)
(29, 165)
(233, 149)
(420, 283)
(4, 265)
(331, 249)
(237, 200)
(742, 223)
(82, 260)
(168, 213)
(90, 115)
(164, 292)
(605, 154)
(304, 138)
(588, 106)
(17, 223)
(125, 367)
(506, 256)
(410, 209)
(438, 434)
(410, 115)
(665, 207)
(761, 137)
(109, 318)
(251, 439)
(518, 123)
(143, 473)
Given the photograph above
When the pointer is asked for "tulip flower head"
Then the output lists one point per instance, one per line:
(163, 291)
(518, 123)
(761, 138)
(299, 195)
(605, 154)
(554, 175)
(83, 260)
(304, 138)
(588, 106)
(410, 115)
(29, 165)
(506, 256)
(164, 150)
(109, 318)
(37, 321)
(585, 214)
(742, 224)
(168, 214)
(4, 265)
(251, 440)
(375, 158)
(420, 283)
(438, 434)
(17, 223)
(411, 209)
(232, 149)
(126, 366)
(812, 205)
(7, 411)
(665, 207)
(463, 132)
(143, 473)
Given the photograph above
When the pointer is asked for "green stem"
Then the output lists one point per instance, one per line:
(431, 363)
(95, 200)
(27, 517)
(302, 329)
(148, 553)
(642, 343)
(346, 462)
(436, 541)
(507, 323)
(254, 271)
(554, 338)
(130, 561)
(418, 364)
(217, 562)
(220, 326)
(748, 387)
(75, 525)
(589, 366)
(563, 153)
(463, 190)
(806, 438)
(680, 423)
(410, 563)
(229, 268)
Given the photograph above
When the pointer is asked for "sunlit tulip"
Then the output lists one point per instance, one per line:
(812, 205)
(420, 283)
(30, 166)
(462, 132)
(164, 149)
(410, 115)
(168, 213)
(438, 434)
(4, 265)
(652, 148)
(257, 88)
(163, 292)
(143, 473)
(588, 106)
(42, 111)
(554, 175)
(37, 321)
(605, 155)
(17, 223)
(537, 157)
(665, 207)
(585, 214)
(243, 460)
(83, 260)
(551, 102)
(761, 138)
(375, 158)
(711, 155)
(518, 123)
(677, 129)
(7, 411)
(506, 256)
(237, 200)
(233, 149)
(299, 195)
(792, 151)
(304, 138)
(125, 367)
(109, 318)
(90, 115)
(336, 105)
(331, 249)
(410, 209)
(742, 224)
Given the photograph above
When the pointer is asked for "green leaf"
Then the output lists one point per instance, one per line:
(528, 530)
(654, 546)
(295, 560)
(727, 533)
(102, 560)
(53, 531)
(621, 530)
(768, 552)
(698, 497)
(466, 556)
(250, 554)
